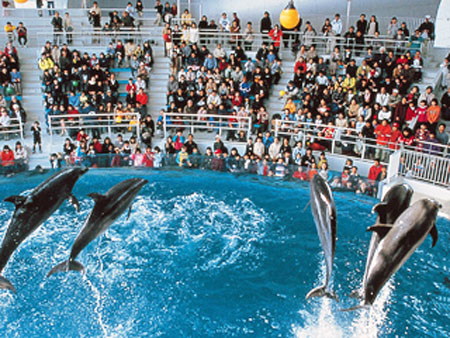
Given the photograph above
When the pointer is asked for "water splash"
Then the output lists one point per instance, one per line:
(321, 321)
(370, 321)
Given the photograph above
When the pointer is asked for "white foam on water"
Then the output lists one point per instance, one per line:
(370, 322)
(321, 322)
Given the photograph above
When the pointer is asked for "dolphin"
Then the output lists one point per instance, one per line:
(107, 209)
(396, 200)
(324, 213)
(399, 241)
(34, 209)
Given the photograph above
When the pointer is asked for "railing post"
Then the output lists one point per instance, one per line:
(276, 127)
(165, 125)
(249, 127)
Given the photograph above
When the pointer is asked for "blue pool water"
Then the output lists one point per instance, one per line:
(211, 254)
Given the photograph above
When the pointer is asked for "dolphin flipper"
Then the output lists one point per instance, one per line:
(17, 200)
(6, 284)
(380, 229)
(321, 291)
(434, 235)
(67, 266)
(73, 200)
(129, 213)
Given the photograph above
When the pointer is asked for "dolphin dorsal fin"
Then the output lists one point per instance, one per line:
(380, 208)
(16, 199)
(434, 235)
(97, 197)
(380, 229)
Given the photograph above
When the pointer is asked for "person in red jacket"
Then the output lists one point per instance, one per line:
(130, 85)
(407, 138)
(7, 157)
(276, 34)
(142, 97)
(374, 170)
(383, 133)
(395, 136)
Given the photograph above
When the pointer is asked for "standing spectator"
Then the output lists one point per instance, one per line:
(159, 13)
(427, 28)
(51, 4)
(249, 36)
(336, 25)
(95, 15)
(276, 34)
(68, 28)
(9, 30)
(266, 25)
(383, 133)
(361, 24)
(36, 131)
(57, 24)
(39, 4)
(22, 34)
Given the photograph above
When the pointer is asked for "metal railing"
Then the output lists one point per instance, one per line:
(15, 127)
(425, 167)
(86, 38)
(96, 123)
(336, 137)
(324, 44)
(206, 122)
(33, 13)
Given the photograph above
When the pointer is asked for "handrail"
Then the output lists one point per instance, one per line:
(13, 128)
(306, 127)
(99, 121)
(204, 122)
(425, 167)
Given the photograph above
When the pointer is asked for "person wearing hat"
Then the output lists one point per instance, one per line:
(217, 161)
(427, 27)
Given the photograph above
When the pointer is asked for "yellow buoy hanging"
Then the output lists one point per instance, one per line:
(21, 1)
(289, 17)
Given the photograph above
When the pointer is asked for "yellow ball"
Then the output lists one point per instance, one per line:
(289, 18)
(282, 93)
(21, 1)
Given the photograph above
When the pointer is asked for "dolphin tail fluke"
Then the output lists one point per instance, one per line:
(6, 284)
(67, 266)
(357, 307)
(316, 292)
(321, 291)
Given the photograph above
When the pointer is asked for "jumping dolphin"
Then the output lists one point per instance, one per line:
(34, 209)
(398, 243)
(106, 210)
(324, 212)
(396, 200)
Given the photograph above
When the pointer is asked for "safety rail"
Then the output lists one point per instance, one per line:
(14, 127)
(33, 13)
(425, 167)
(206, 122)
(96, 123)
(362, 147)
(85, 38)
(323, 44)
